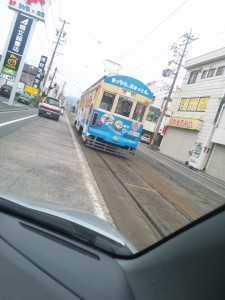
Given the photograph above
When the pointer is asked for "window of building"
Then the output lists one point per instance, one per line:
(220, 71)
(183, 104)
(107, 101)
(152, 117)
(204, 73)
(211, 72)
(124, 106)
(193, 77)
(139, 112)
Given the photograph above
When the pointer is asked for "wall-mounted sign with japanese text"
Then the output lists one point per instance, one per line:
(192, 124)
(40, 72)
(17, 42)
(31, 90)
(202, 105)
(8, 71)
(34, 8)
(194, 104)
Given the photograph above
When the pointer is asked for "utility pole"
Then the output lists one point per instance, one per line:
(49, 88)
(188, 39)
(60, 33)
(61, 93)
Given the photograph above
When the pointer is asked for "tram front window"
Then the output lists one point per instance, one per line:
(139, 112)
(124, 106)
(107, 101)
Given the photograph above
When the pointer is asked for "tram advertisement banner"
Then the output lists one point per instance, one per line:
(17, 42)
(130, 84)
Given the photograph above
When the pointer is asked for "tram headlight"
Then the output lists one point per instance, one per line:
(99, 123)
(118, 124)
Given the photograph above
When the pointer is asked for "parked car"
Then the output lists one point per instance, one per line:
(5, 90)
(25, 98)
(50, 107)
(145, 138)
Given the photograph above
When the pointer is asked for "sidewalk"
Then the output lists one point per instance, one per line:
(4, 107)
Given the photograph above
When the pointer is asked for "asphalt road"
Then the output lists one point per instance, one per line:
(41, 161)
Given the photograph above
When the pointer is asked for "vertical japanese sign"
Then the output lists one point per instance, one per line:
(17, 42)
(40, 72)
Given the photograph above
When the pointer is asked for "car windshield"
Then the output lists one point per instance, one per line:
(52, 101)
(116, 111)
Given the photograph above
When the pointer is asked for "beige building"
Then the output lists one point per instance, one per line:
(196, 128)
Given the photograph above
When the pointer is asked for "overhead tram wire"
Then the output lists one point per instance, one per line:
(52, 13)
(42, 46)
(153, 30)
(36, 28)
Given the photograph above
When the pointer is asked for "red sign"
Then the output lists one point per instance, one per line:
(33, 8)
(29, 2)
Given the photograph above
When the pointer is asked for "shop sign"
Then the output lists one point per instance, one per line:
(31, 90)
(40, 72)
(192, 124)
(8, 71)
(194, 104)
(184, 104)
(203, 102)
(17, 42)
(34, 8)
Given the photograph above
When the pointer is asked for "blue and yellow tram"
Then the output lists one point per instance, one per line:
(111, 113)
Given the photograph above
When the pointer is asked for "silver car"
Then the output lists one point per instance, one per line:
(50, 107)
(145, 138)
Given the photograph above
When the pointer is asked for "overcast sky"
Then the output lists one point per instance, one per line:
(136, 34)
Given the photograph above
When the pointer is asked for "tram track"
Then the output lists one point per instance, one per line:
(161, 225)
(146, 200)
(159, 233)
(187, 195)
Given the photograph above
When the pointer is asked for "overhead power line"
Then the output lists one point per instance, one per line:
(154, 29)
(60, 34)
(180, 53)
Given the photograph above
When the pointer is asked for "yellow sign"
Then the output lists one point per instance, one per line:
(184, 104)
(203, 102)
(193, 103)
(192, 124)
(31, 90)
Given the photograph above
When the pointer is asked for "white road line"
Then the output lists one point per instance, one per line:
(97, 205)
(17, 120)
(163, 163)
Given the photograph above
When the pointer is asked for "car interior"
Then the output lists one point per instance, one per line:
(39, 261)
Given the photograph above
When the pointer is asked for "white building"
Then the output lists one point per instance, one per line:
(196, 129)
(160, 91)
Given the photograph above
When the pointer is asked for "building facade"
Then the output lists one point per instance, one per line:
(197, 110)
(160, 91)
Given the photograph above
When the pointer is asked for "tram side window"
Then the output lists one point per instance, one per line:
(139, 112)
(107, 101)
(124, 106)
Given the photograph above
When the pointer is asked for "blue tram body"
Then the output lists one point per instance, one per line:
(113, 129)
(112, 112)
